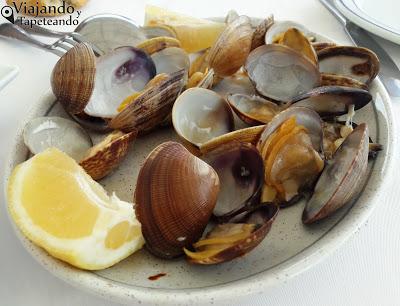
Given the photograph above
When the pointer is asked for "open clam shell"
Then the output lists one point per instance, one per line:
(45, 132)
(276, 31)
(200, 114)
(253, 110)
(342, 179)
(228, 241)
(73, 78)
(151, 107)
(305, 117)
(240, 169)
(333, 100)
(104, 157)
(175, 195)
(247, 135)
(232, 47)
(354, 62)
(281, 73)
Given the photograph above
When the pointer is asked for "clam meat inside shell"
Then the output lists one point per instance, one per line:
(228, 241)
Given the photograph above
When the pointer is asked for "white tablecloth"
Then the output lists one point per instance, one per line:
(364, 271)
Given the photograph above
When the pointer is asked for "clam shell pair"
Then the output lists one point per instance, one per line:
(91, 88)
(177, 193)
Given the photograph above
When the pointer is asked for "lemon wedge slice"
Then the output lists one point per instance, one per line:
(195, 34)
(63, 210)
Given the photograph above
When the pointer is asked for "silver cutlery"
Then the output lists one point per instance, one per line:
(390, 73)
(104, 32)
(59, 47)
(40, 31)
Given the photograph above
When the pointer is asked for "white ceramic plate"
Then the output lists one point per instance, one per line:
(289, 249)
(7, 74)
(379, 17)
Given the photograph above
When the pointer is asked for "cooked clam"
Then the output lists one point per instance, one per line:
(247, 135)
(151, 107)
(104, 157)
(296, 40)
(354, 62)
(42, 133)
(200, 114)
(175, 195)
(342, 179)
(73, 78)
(231, 240)
(240, 170)
(333, 100)
(253, 110)
(232, 47)
(281, 73)
(97, 87)
(258, 38)
(170, 60)
(276, 31)
(305, 117)
(291, 153)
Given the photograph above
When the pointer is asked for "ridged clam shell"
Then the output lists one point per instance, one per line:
(232, 47)
(175, 195)
(107, 155)
(258, 38)
(151, 107)
(72, 79)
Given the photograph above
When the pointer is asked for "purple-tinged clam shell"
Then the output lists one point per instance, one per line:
(240, 169)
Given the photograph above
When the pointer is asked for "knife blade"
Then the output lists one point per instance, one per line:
(389, 72)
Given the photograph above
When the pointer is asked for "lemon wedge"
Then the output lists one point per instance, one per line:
(195, 34)
(63, 210)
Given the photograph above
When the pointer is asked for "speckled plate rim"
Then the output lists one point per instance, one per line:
(117, 292)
